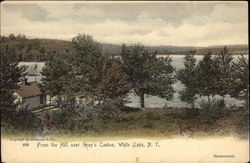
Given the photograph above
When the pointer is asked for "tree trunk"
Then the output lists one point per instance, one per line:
(208, 97)
(192, 104)
(142, 100)
(223, 102)
(223, 99)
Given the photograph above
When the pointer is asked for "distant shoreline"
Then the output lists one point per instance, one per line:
(157, 55)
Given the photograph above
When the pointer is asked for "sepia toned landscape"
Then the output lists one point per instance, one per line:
(108, 71)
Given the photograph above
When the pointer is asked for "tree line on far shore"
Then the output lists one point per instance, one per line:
(38, 49)
(34, 49)
(85, 73)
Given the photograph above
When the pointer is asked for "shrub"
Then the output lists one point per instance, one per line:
(77, 117)
(211, 112)
(23, 121)
(110, 110)
(85, 116)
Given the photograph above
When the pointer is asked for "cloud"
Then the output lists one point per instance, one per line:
(229, 14)
(30, 11)
(196, 24)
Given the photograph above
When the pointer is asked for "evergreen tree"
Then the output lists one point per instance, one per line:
(85, 74)
(86, 62)
(223, 63)
(11, 75)
(240, 85)
(114, 83)
(56, 76)
(188, 78)
(206, 76)
(147, 73)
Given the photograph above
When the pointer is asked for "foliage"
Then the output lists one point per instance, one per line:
(206, 76)
(214, 76)
(188, 77)
(148, 74)
(34, 49)
(11, 75)
(114, 83)
(85, 73)
(42, 49)
(240, 86)
(24, 120)
(223, 67)
(56, 76)
(234, 49)
(211, 112)
(12, 118)
(77, 117)
(84, 116)
(110, 110)
(86, 62)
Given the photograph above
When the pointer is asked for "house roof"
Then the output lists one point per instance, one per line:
(28, 90)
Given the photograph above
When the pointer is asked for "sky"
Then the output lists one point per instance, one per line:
(150, 23)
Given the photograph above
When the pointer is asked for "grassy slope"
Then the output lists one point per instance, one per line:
(161, 123)
(174, 122)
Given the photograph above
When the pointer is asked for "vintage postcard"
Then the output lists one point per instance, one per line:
(124, 81)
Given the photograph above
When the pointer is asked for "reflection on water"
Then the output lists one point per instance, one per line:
(34, 69)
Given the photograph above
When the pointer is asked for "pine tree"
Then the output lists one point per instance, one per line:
(223, 63)
(86, 62)
(188, 78)
(240, 85)
(85, 73)
(147, 73)
(114, 84)
(206, 77)
(56, 76)
(11, 75)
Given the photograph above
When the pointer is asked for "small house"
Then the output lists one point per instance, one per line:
(30, 95)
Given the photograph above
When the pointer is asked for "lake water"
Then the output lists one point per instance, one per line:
(34, 69)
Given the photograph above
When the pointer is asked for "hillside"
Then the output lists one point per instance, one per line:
(43, 49)
(235, 49)
(113, 49)
(34, 49)
(162, 50)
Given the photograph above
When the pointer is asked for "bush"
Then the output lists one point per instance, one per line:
(27, 121)
(77, 117)
(110, 110)
(85, 116)
(128, 109)
(210, 113)
(23, 121)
